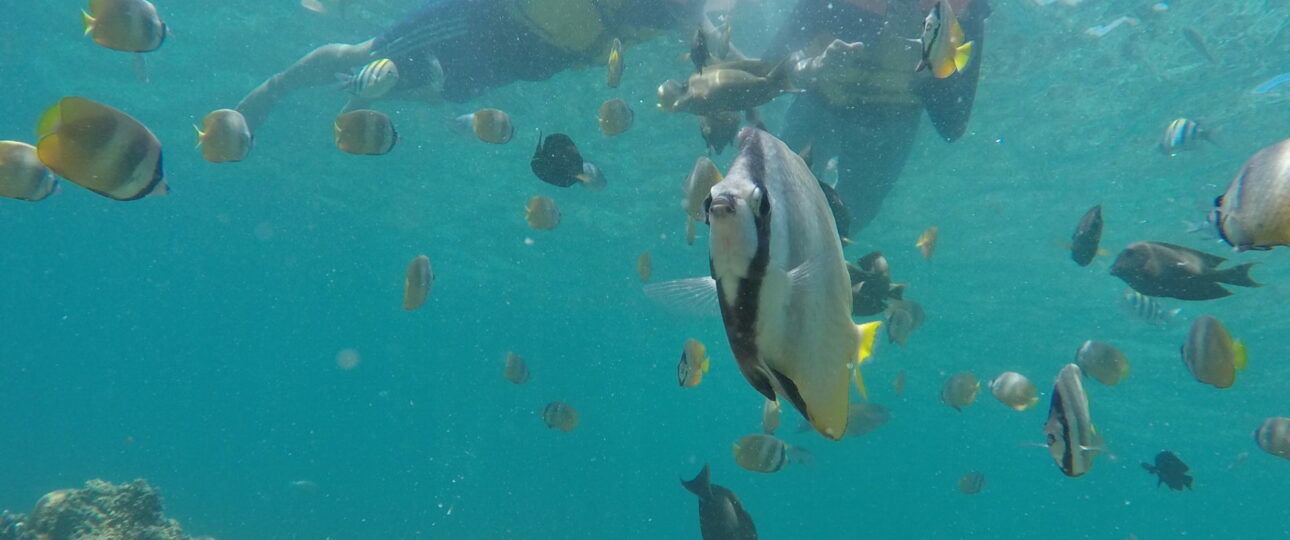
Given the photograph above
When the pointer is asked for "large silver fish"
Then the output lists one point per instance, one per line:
(782, 283)
(1072, 440)
(1254, 212)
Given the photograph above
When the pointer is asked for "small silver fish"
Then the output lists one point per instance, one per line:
(1147, 308)
(1182, 134)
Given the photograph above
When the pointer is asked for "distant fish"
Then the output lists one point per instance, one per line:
(557, 161)
(224, 136)
(515, 370)
(1161, 269)
(1211, 354)
(615, 63)
(1182, 134)
(903, 317)
(560, 415)
(492, 126)
(721, 515)
(615, 117)
(1103, 362)
(960, 391)
(699, 52)
(592, 178)
(927, 242)
(1254, 212)
(770, 417)
(1014, 390)
(644, 267)
(863, 418)
(1170, 471)
(304, 486)
(365, 132)
(1272, 84)
(1073, 442)
(944, 51)
(1273, 436)
(871, 285)
(702, 177)
(972, 483)
(1084, 243)
(124, 25)
(1197, 42)
(767, 454)
(719, 130)
(1147, 308)
(100, 149)
(417, 285)
(693, 364)
(373, 80)
(22, 175)
(541, 213)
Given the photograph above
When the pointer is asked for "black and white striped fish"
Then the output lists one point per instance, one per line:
(373, 80)
(1147, 308)
(1071, 438)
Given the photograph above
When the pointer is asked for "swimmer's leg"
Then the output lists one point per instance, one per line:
(875, 145)
(317, 68)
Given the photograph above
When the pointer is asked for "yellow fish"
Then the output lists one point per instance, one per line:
(615, 74)
(943, 49)
(694, 363)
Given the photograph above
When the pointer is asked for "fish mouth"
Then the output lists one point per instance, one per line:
(722, 205)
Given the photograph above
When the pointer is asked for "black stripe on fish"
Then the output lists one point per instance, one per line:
(1057, 409)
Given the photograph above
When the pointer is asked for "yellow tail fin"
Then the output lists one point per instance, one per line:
(868, 334)
(49, 121)
(200, 135)
(962, 55)
(706, 361)
(1240, 359)
(88, 21)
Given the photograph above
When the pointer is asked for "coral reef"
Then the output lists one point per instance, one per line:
(98, 511)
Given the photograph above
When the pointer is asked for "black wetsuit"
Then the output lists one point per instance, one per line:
(872, 142)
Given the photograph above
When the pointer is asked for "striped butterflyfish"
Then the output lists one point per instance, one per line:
(101, 149)
(1071, 438)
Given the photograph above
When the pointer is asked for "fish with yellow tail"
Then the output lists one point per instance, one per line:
(224, 136)
(101, 149)
(944, 51)
(694, 363)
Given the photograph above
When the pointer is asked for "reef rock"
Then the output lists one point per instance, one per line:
(98, 511)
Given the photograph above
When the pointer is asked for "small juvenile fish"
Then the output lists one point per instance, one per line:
(1087, 237)
(1170, 471)
(1273, 436)
(971, 483)
(615, 117)
(960, 391)
(615, 63)
(541, 213)
(694, 363)
(1254, 212)
(1182, 134)
(865, 417)
(516, 370)
(1103, 362)
(1147, 308)
(702, 177)
(224, 136)
(927, 241)
(22, 175)
(100, 149)
(560, 415)
(944, 51)
(492, 126)
(124, 25)
(417, 285)
(373, 80)
(770, 417)
(365, 132)
(898, 384)
(1211, 354)
(1014, 390)
(644, 267)
(903, 317)
(767, 454)
(1197, 42)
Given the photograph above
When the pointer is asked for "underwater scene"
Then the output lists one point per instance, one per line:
(590, 269)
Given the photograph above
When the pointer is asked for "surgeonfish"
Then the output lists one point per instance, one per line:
(1254, 212)
(418, 282)
(702, 177)
(560, 415)
(1273, 436)
(492, 126)
(224, 136)
(1072, 440)
(557, 161)
(782, 283)
(699, 52)
(1182, 134)
(1103, 362)
(871, 286)
(373, 80)
(1170, 471)
(960, 391)
(903, 317)
(1087, 237)
(767, 453)
(124, 25)
(721, 515)
(1147, 308)
(694, 363)
(644, 267)
(615, 117)
(365, 132)
(770, 416)
(863, 418)
(927, 241)
(972, 482)
(944, 51)
(22, 175)
(1160, 269)
(541, 213)
(615, 63)
(1211, 354)
(101, 149)
(515, 370)
(1014, 390)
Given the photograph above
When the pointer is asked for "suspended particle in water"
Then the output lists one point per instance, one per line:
(347, 359)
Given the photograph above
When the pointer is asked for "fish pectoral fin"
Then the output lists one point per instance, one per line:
(690, 296)
(962, 55)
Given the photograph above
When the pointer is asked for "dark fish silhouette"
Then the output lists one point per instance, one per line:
(1171, 471)
(871, 285)
(1087, 236)
(557, 161)
(721, 515)
(699, 50)
(1160, 269)
(841, 216)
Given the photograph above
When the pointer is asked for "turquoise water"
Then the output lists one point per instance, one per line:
(191, 339)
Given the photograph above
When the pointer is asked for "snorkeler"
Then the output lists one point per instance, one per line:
(863, 103)
(457, 49)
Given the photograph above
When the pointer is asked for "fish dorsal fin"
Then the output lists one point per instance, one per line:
(691, 296)
(1239, 355)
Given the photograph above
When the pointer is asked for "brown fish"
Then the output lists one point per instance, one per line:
(560, 415)
(871, 285)
(1103, 362)
(492, 126)
(1273, 436)
(971, 483)
(22, 175)
(960, 391)
(1160, 269)
(903, 317)
(644, 267)
(615, 117)
(365, 132)
(719, 129)
(124, 25)
(865, 417)
(1210, 353)
(1014, 390)
(224, 136)
(725, 88)
(1087, 237)
(515, 370)
(417, 285)
(541, 213)
(101, 149)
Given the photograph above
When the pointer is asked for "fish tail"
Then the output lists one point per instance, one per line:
(701, 485)
(706, 361)
(1239, 275)
(88, 21)
(200, 136)
(1240, 357)
(962, 55)
(868, 334)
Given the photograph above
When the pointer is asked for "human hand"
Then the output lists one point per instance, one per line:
(838, 63)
